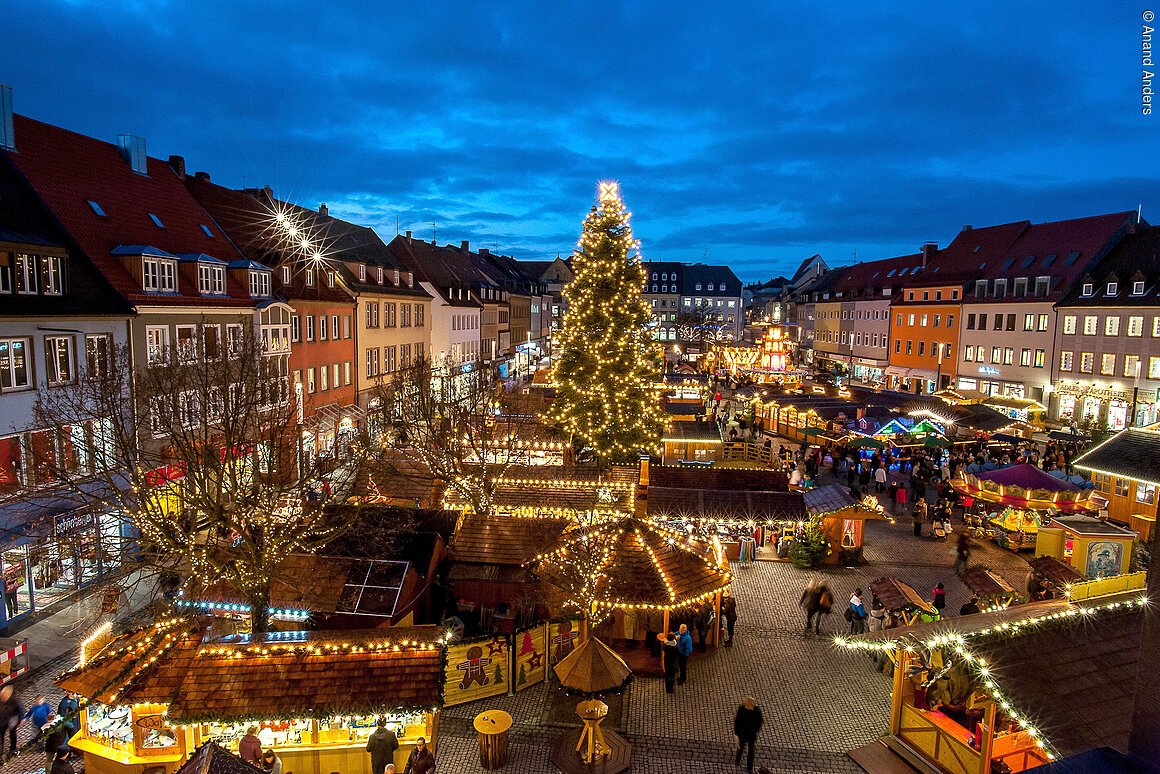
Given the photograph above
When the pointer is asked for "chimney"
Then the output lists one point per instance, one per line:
(7, 132)
(928, 252)
(967, 227)
(465, 246)
(177, 164)
(408, 237)
(132, 150)
(323, 209)
(484, 251)
(202, 176)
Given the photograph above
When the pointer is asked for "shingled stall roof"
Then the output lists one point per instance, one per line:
(732, 479)
(1133, 453)
(503, 540)
(697, 432)
(725, 505)
(280, 675)
(1056, 571)
(833, 499)
(985, 583)
(896, 595)
(645, 565)
(1074, 677)
(544, 493)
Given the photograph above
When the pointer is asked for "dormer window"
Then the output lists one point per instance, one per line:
(330, 279)
(654, 275)
(1113, 288)
(396, 278)
(1088, 289)
(259, 284)
(156, 220)
(97, 209)
(698, 286)
(380, 273)
(362, 272)
(1138, 288)
(211, 279)
(310, 278)
(205, 230)
(710, 286)
(158, 275)
(285, 275)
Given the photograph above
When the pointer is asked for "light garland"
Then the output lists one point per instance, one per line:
(233, 607)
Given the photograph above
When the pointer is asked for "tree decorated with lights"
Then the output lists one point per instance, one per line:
(606, 371)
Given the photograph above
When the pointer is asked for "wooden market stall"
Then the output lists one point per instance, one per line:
(156, 694)
(488, 554)
(698, 442)
(902, 601)
(1049, 578)
(1097, 548)
(999, 691)
(842, 518)
(990, 588)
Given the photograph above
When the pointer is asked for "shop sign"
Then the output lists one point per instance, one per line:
(989, 370)
(72, 521)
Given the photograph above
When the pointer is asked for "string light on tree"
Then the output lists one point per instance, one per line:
(606, 372)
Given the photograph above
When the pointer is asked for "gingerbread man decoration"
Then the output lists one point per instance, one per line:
(473, 668)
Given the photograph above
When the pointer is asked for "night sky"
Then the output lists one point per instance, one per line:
(753, 134)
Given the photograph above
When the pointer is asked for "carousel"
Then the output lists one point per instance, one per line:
(1024, 498)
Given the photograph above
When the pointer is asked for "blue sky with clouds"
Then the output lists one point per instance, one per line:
(753, 134)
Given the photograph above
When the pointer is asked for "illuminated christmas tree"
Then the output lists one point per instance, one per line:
(606, 369)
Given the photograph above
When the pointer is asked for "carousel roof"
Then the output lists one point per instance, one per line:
(631, 563)
(1028, 477)
(284, 674)
(1026, 486)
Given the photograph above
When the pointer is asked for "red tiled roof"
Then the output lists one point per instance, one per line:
(872, 275)
(67, 170)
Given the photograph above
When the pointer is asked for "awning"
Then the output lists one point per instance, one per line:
(898, 371)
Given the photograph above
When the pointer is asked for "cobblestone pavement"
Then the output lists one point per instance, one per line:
(28, 687)
(819, 701)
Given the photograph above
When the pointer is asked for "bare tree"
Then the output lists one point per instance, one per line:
(704, 325)
(198, 449)
(461, 425)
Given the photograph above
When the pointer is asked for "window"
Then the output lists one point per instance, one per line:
(1111, 326)
(346, 326)
(295, 328)
(186, 343)
(1113, 288)
(1154, 368)
(1028, 322)
(1066, 360)
(1069, 324)
(1145, 493)
(15, 364)
(419, 315)
(211, 279)
(996, 354)
(156, 343)
(346, 373)
(910, 319)
(998, 322)
(1000, 288)
(1135, 326)
(310, 327)
(1020, 287)
(1087, 361)
(1008, 355)
(405, 315)
(51, 277)
(969, 353)
(898, 346)
(711, 286)
(156, 220)
(259, 284)
(25, 273)
(970, 322)
(1043, 284)
(924, 318)
(925, 295)
(285, 275)
(1025, 357)
(211, 342)
(1138, 288)
(322, 327)
(1131, 366)
(1108, 364)
(97, 209)
(1087, 289)
(334, 327)
(99, 355)
(1043, 320)
(1121, 487)
(234, 339)
(1010, 322)
(330, 279)
(158, 275)
(323, 379)
(310, 278)
(698, 286)
(1040, 357)
(311, 384)
(1090, 325)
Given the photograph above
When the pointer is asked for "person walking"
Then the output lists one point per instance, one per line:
(919, 515)
(382, 745)
(880, 479)
(962, 553)
(669, 659)
(684, 650)
(857, 613)
(939, 598)
(68, 710)
(250, 747)
(11, 716)
(746, 725)
(420, 761)
(38, 713)
(729, 613)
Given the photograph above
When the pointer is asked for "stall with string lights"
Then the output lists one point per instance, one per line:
(154, 695)
(981, 693)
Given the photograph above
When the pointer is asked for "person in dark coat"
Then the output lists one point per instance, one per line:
(684, 650)
(61, 765)
(55, 743)
(702, 621)
(11, 716)
(250, 747)
(654, 622)
(382, 745)
(68, 709)
(669, 656)
(746, 725)
(729, 613)
(421, 761)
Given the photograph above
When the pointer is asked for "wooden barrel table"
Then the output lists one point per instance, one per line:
(492, 727)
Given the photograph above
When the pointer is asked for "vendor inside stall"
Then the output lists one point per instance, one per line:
(156, 694)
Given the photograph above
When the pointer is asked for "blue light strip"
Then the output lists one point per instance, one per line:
(227, 607)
